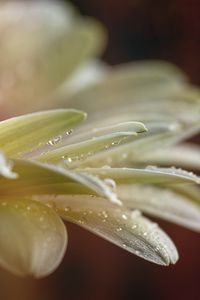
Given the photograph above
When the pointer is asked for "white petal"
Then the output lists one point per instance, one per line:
(32, 238)
(130, 231)
(163, 203)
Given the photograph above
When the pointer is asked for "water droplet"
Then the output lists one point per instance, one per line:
(54, 141)
(118, 229)
(124, 217)
(137, 252)
(134, 226)
(68, 160)
(67, 209)
(115, 143)
(69, 132)
(104, 214)
(81, 222)
(111, 183)
(4, 203)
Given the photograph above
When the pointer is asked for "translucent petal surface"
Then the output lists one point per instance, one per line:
(128, 230)
(32, 238)
(36, 178)
(72, 154)
(22, 134)
(169, 204)
(150, 174)
(186, 155)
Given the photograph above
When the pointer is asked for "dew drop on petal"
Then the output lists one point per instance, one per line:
(119, 229)
(68, 160)
(56, 140)
(111, 183)
(69, 132)
(124, 217)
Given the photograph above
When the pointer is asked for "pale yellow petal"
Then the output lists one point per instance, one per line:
(32, 131)
(32, 238)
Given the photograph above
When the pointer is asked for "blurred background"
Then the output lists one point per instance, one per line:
(94, 269)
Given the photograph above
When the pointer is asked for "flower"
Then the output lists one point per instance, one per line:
(50, 173)
(99, 175)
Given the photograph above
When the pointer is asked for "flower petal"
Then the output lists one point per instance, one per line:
(131, 83)
(32, 238)
(25, 133)
(130, 231)
(72, 154)
(150, 174)
(186, 155)
(37, 178)
(158, 134)
(161, 202)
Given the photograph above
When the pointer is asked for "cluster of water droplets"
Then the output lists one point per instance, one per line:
(175, 171)
(59, 138)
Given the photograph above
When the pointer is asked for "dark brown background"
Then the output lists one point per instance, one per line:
(93, 269)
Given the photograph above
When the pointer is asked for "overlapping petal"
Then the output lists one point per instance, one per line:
(96, 176)
(126, 229)
(33, 238)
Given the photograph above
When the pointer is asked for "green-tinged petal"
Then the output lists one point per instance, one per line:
(25, 133)
(37, 178)
(130, 231)
(6, 168)
(150, 174)
(159, 136)
(163, 203)
(32, 238)
(72, 154)
(186, 155)
(159, 133)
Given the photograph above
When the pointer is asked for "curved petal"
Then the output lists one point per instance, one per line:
(164, 203)
(37, 178)
(150, 174)
(126, 229)
(32, 131)
(72, 154)
(33, 238)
